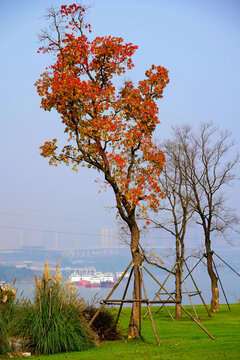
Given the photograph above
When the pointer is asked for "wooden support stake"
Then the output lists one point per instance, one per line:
(187, 276)
(149, 309)
(183, 292)
(144, 301)
(203, 328)
(183, 308)
(140, 295)
(166, 308)
(193, 294)
(158, 283)
(199, 292)
(124, 294)
(189, 294)
(226, 263)
(110, 294)
(194, 267)
(221, 285)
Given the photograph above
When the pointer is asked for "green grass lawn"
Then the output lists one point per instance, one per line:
(180, 340)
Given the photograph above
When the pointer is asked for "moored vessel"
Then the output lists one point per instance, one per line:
(84, 280)
(108, 280)
(107, 284)
(94, 281)
(74, 277)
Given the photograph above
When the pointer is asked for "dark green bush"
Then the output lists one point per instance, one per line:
(54, 321)
(105, 323)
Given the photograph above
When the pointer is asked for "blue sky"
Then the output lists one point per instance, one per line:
(197, 41)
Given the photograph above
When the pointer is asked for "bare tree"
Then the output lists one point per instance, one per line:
(208, 161)
(175, 212)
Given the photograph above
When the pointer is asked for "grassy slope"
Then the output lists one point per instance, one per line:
(180, 340)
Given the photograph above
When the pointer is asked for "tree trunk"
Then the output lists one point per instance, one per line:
(178, 279)
(178, 276)
(214, 282)
(134, 329)
(212, 275)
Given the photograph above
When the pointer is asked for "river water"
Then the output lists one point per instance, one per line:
(229, 280)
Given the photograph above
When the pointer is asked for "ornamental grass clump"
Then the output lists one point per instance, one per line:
(7, 302)
(54, 321)
(7, 308)
(4, 342)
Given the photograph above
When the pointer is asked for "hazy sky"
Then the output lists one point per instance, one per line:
(197, 41)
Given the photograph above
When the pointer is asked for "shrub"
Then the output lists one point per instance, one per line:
(54, 321)
(105, 323)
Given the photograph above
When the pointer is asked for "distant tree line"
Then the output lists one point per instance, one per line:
(9, 273)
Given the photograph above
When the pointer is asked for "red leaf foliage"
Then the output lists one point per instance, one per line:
(108, 129)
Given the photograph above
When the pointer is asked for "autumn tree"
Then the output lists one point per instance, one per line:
(208, 162)
(108, 129)
(175, 211)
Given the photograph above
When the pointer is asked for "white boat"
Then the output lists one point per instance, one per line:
(94, 281)
(74, 277)
(108, 277)
(119, 274)
(100, 275)
(86, 277)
